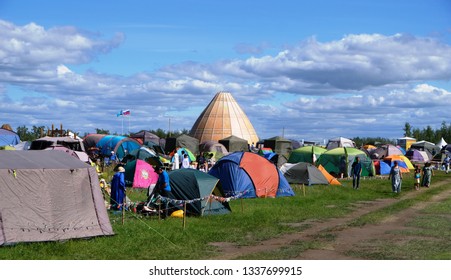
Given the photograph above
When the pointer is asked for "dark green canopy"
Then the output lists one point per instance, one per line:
(196, 187)
(234, 144)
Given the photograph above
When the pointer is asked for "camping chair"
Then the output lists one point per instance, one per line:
(151, 205)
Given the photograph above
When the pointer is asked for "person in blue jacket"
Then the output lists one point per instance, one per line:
(163, 187)
(117, 189)
(356, 171)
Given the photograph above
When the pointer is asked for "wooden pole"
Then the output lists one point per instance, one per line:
(184, 214)
(159, 211)
(209, 202)
(123, 209)
(303, 189)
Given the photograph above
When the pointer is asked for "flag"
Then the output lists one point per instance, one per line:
(124, 113)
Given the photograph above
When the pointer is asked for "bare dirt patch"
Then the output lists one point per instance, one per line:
(346, 238)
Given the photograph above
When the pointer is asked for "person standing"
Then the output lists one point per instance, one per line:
(396, 178)
(113, 158)
(417, 177)
(427, 175)
(117, 189)
(163, 187)
(356, 171)
(201, 162)
(176, 160)
(342, 167)
(446, 163)
(185, 161)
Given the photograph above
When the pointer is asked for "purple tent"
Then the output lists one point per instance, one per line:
(418, 156)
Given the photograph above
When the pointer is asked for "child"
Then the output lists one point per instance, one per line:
(417, 176)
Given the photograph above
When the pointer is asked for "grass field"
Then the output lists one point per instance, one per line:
(251, 221)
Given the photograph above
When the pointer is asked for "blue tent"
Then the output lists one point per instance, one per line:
(8, 138)
(121, 145)
(384, 168)
(250, 175)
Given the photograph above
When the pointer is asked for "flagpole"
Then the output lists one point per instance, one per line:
(122, 125)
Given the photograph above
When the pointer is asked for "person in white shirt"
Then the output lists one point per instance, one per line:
(185, 161)
(175, 161)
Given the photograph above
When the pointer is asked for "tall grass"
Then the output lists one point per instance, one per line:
(251, 220)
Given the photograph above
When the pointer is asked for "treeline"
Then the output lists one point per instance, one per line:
(429, 134)
(426, 134)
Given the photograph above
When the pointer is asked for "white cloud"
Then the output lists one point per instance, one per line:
(31, 44)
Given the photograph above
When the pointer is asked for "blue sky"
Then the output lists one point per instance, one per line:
(311, 70)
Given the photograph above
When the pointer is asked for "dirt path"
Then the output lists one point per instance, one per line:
(346, 238)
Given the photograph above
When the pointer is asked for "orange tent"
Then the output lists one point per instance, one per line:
(332, 180)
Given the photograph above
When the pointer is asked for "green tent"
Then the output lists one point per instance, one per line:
(234, 144)
(305, 154)
(202, 192)
(342, 158)
(279, 145)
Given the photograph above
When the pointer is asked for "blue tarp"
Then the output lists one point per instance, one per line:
(8, 138)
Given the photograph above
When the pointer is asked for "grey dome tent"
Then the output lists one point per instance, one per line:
(303, 173)
(49, 196)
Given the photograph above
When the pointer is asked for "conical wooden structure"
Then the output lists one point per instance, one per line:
(222, 118)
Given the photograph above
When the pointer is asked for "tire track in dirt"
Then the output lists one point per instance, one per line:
(346, 237)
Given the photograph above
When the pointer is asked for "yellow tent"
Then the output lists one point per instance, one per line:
(400, 158)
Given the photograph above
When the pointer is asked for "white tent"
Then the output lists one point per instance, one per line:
(442, 143)
(340, 142)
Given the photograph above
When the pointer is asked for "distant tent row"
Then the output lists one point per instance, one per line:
(223, 146)
(375, 160)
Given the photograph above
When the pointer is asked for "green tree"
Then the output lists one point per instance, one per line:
(428, 134)
(23, 133)
(37, 131)
(159, 132)
(102, 131)
(407, 130)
